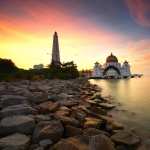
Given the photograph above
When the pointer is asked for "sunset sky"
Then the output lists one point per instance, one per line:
(88, 30)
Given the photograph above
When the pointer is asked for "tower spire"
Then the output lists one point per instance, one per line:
(55, 51)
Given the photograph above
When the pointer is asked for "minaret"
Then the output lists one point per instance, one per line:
(55, 51)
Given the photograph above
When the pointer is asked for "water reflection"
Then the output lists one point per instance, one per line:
(134, 97)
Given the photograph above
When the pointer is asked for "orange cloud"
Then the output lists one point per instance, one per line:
(140, 10)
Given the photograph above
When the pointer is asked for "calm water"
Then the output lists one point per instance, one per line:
(133, 99)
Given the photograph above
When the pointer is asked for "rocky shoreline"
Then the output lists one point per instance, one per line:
(60, 115)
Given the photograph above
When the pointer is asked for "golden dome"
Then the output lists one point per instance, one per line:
(111, 58)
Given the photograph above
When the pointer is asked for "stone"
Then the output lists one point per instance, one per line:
(72, 131)
(92, 122)
(21, 109)
(145, 145)
(68, 103)
(72, 143)
(126, 138)
(9, 100)
(48, 106)
(39, 118)
(93, 132)
(100, 142)
(114, 125)
(62, 113)
(97, 95)
(20, 124)
(45, 143)
(52, 130)
(53, 98)
(15, 142)
(38, 97)
(79, 115)
(39, 148)
(107, 105)
(69, 121)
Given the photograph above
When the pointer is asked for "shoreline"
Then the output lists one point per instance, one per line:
(59, 115)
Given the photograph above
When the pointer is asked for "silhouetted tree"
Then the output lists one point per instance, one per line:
(7, 66)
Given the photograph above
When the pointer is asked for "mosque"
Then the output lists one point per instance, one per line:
(111, 69)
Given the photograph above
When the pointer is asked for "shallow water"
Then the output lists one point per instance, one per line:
(133, 97)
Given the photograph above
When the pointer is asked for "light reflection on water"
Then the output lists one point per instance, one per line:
(134, 97)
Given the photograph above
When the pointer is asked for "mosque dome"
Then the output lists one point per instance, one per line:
(111, 58)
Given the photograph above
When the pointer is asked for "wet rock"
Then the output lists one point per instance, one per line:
(64, 96)
(72, 131)
(126, 138)
(114, 125)
(48, 107)
(39, 97)
(21, 109)
(72, 143)
(45, 143)
(107, 105)
(62, 113)
(121, 147)
(92, 122)
(69, 121)
(52, 130)
(93, 132)
(15, 142)
(39, 148)
(101, 142)
(39, 118)
(53, 98)
(9, 100)
(20, 124)
(145, 145)
(97, 95)
(68, 103)
(98, 142)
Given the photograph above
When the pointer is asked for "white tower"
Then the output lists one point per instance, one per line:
(126, 69)
(97, 72)
(55, 51)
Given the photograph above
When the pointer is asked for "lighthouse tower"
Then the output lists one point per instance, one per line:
(55, 51)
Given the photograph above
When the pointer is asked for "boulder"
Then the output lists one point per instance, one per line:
(69, 121)
(20, 124)
(38, 97)
(45, 143)
(72, 143)
(62, 113)
(9, 100)
(100, 142)
(72, 131)
(21, 109)
(52, 130)
(39, 118)
(93, 132)
(145, 145)
(92, 122)
(15, 142)
(48, 106)
(126, 138)
(68, 103)
(79, 115)
(107, 105)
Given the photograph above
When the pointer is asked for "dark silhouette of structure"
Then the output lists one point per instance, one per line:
(55, 52)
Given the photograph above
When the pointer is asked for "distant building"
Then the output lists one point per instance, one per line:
(86, 73)
(55, 51)
(38, 67)
(111, 69)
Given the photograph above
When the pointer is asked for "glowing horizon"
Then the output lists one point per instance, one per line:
(87, 32)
